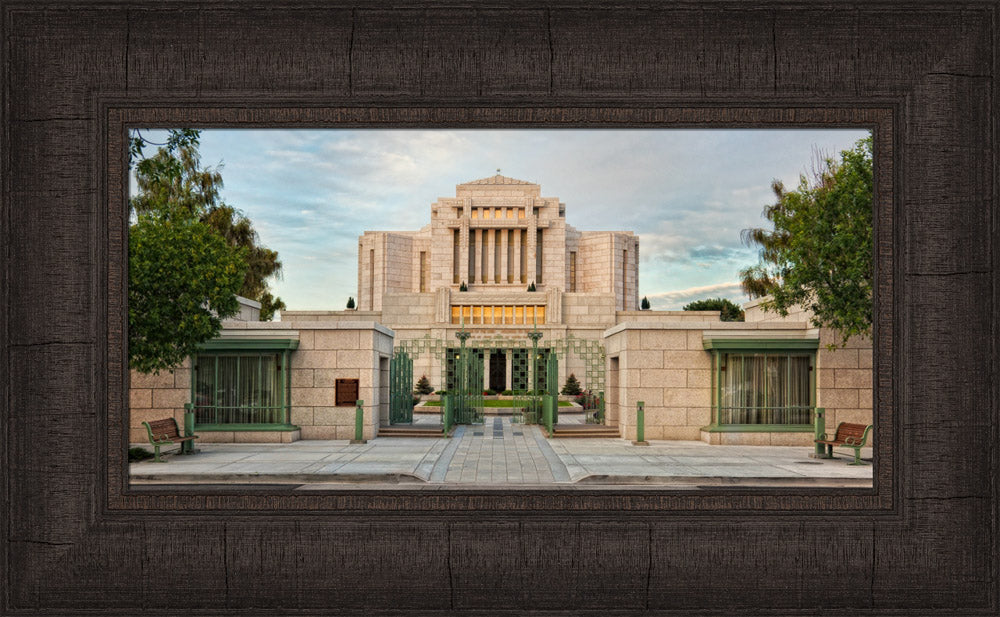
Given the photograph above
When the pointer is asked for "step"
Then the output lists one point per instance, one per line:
(593, 431)
(411, 431)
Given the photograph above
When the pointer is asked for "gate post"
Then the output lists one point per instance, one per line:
(820, 433)
(640, 425)
(447, 413)
(548, 412)
(359, 423)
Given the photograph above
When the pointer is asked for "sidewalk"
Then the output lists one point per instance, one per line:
(500, 454)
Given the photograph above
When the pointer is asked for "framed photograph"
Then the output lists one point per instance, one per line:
(83, 538)
(655, 337)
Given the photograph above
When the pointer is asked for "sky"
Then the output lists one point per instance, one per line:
(687, 193)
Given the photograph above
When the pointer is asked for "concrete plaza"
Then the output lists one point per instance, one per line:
(499, 453)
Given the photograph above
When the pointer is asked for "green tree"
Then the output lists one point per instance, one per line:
(819, 254)
(572, 386)
(350, 302)
(174, 183)
(423, 386)
(644, 306)
(730, 310)
(183, 280)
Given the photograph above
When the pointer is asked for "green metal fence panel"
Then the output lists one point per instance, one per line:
(462, 370)
(401, 388)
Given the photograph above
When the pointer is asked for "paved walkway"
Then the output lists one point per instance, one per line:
(498, 454)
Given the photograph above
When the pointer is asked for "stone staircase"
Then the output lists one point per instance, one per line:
(592, 431)
(411, 430)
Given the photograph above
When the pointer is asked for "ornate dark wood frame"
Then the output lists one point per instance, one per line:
(79, 539)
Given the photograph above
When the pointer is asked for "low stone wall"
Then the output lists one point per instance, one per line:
(665, 365)
(328, 350)
(155, 397)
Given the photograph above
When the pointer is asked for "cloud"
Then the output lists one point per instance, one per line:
(687, 193)
(676, 299)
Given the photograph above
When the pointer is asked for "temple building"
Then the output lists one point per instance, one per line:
(499, 264)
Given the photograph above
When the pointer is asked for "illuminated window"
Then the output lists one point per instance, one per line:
(477, 314)
(529, 314)
(486, 213)
(540, 311)
(487, 314)
(475, 213)
(509, 212)
(518, 314)
(508, 314)
(455, 314)
(520, 213)
(467, 313)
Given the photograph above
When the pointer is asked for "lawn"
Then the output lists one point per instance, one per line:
(494, 404)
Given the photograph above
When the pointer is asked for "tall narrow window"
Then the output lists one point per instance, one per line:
(572, 271)
(538, 257)
(456, 257)
(524, 256)
(496, 255)
(371, 280)
(483, 256)
(510, 255)
(472, 256)
(423, 271)
(624, 281)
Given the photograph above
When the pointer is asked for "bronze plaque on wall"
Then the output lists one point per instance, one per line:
(347, 392)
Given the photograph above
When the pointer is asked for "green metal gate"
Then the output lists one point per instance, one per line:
(534, 372)
(466, 391)
(401, 388)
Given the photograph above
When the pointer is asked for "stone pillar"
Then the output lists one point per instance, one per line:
(517, 256)
(509, 385)
(476, 275)
(504, 264)
(530, 266)
(463, 252)
(490, 245)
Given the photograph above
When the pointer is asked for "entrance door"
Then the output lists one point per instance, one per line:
(498, 370)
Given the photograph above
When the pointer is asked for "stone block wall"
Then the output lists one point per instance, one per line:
(667, 368)
(588, 309)
(328, 350)
(337, 350)
(844, 379)
(664, 364)
(155, 397)
(594, 263)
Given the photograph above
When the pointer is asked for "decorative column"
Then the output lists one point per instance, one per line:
(531, 266)
(517, 256)
(504, 262)
(463, 251)
(491, 264)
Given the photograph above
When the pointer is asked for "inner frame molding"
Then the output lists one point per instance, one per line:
(116, 115)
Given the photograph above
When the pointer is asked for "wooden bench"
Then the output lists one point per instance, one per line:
(164, 432)
(848, 436)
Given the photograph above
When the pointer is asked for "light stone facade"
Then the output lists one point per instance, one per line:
(330, 346)
(497, 236)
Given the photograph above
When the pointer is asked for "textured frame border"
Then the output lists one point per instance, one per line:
(121, 496)
(65, 551)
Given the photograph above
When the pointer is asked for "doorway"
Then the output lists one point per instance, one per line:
(498, 370)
